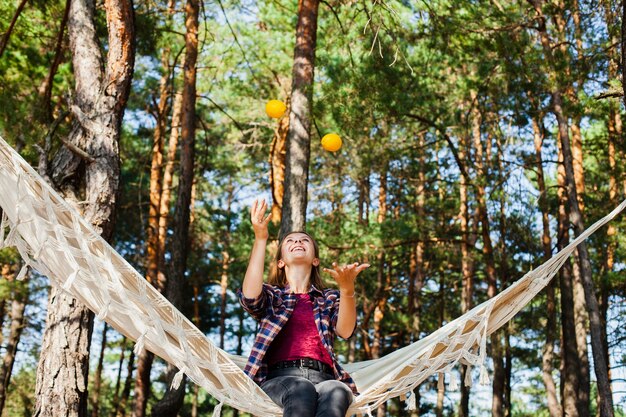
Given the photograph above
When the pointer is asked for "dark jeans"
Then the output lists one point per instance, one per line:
(303, 392)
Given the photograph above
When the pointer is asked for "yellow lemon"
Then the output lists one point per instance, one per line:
(331, 142)
(275, 108)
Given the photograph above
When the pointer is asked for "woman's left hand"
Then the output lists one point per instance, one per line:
(346, 275)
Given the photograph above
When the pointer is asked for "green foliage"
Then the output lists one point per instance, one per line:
(21, 393)
(399, 81)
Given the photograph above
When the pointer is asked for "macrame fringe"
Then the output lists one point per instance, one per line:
(139, 345)
(453, 385)
(178, 378)
(23, 272)
(411, 403)
(468, 377)
(484, 376)
(104, 312)
(10, 238)
(217, 411)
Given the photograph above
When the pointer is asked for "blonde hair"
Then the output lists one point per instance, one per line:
(279, 278)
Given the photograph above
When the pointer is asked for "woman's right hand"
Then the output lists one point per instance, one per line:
(259, 219)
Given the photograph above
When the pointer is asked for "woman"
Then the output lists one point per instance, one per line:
(292, 358)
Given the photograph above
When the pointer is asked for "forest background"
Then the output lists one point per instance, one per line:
(478, 136)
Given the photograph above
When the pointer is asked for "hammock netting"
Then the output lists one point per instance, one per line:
(55, 240)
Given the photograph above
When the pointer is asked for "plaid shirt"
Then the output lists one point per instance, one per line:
(273, 307)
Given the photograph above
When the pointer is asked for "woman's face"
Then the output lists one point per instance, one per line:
(297, 248)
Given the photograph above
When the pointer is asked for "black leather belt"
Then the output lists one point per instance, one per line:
(302, 363)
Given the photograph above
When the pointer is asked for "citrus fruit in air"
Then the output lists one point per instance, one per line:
(331, 142)
(275, 108)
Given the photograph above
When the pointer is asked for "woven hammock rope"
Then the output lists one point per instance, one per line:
(54, 239)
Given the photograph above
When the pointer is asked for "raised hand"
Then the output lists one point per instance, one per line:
(345, 275)
(259, 219)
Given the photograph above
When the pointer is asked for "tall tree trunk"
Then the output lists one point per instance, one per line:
(223, 295)
(121, 407)
(277, 166)
(155, 242)
(504, 274)
(364, 197)
(118, 379)
(8, 272)
(45, 89)
(225, 266)
(156, 174)
(614, 125)
(467, 266)
(18, 305)
(174, 396)
(416, 264)
(569, 350)
(299, 136)
(168, 176)
(97, 383)
(441, 389)
(546, 242)
(196, 322)
(100, 97)
(4, 41)
(595, 322)
(382, 281)
(580, 312)
(581, 318)
(490, 266)
(142, 383)
(508, 371)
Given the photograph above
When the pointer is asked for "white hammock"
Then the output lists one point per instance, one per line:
(54, 239)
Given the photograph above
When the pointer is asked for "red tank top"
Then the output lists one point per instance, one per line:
(299, 338)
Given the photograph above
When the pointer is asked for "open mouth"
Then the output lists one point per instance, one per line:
(298, 249)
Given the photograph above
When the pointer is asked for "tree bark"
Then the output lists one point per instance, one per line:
(299, 136)
(173, 399)
(277, 166)
(225, 266)
(97, 383)
(497, 403)
(580, 312)
(600, 361)
(121, 407)
(508, 371)
(18, 305)
(142, 383)
(614, 127)
(168, 176)
(581, 318)
(595, 322)
(546, 242)
(155, 242)
(442, 314)
(100, 97)
(467, 265)
(569, 350)
(383, 279)
(118, 379)
(156, 174)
